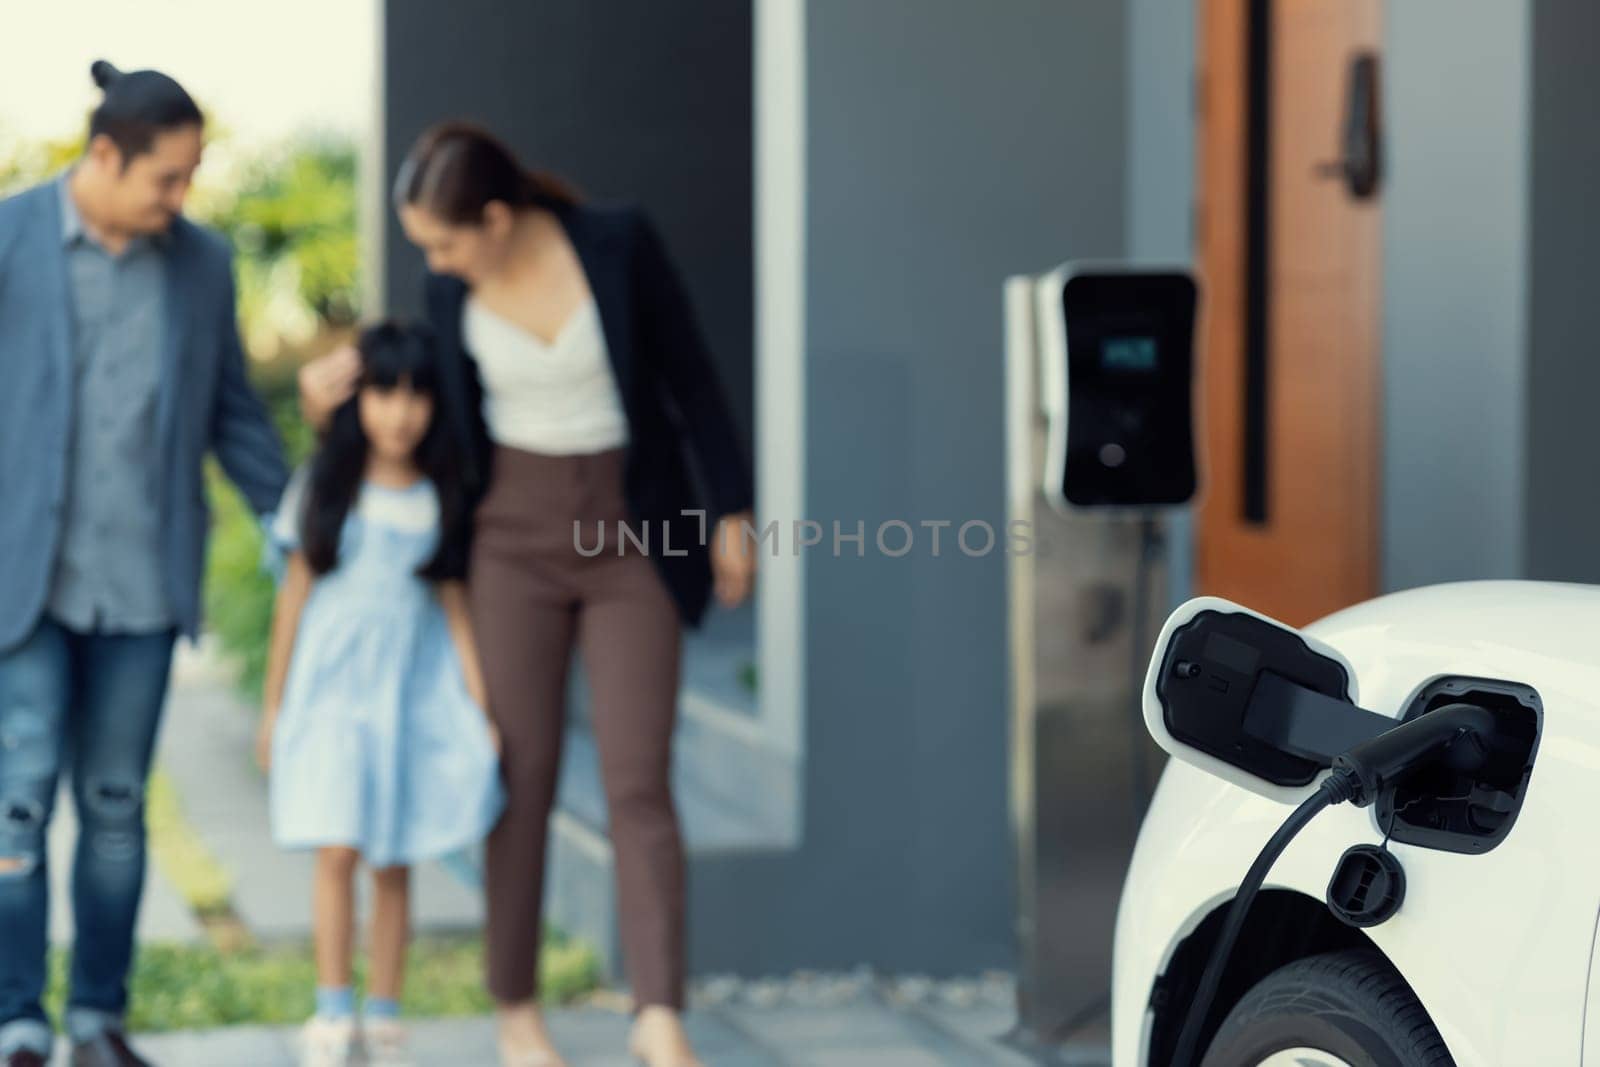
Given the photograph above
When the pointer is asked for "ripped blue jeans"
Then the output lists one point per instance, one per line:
(89, 704)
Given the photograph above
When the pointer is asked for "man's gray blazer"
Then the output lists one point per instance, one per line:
(205, 404)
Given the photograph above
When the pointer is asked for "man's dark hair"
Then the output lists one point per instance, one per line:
(138, 106)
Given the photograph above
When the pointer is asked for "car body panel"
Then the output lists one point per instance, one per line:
(1497, 946)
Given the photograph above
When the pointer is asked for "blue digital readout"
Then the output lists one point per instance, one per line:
(1136, 354)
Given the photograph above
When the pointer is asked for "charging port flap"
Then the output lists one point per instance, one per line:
(1207, 688)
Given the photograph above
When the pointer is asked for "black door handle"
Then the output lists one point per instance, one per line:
(1362, 165)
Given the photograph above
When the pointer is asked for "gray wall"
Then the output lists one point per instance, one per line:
(1455, 237)
(1490, 274)
(950, 144)
(1161, 130)
(596, 92)
(1161, 187)
(1562, 502)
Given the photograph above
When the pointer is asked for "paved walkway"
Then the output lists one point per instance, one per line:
(862, 1033)
(805, 1021)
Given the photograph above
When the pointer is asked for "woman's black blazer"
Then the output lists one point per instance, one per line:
(683, 452)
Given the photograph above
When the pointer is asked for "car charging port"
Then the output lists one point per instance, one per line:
(1467, 809)
(1265, 707)
(1462, 737)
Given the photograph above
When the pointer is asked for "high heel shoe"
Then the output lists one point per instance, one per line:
(638, 1054)
(536, 1049)
(636, 1048)
(530, 1058)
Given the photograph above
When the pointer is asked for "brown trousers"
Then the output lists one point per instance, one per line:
(535, 596)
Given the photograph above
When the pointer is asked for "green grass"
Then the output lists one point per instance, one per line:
(181, 987)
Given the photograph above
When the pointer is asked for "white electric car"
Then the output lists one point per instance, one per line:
(1489, 958)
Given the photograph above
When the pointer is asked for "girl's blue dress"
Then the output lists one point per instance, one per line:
(378, 745)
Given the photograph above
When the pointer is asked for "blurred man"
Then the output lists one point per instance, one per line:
(120, 367)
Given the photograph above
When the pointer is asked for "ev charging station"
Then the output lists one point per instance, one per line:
(1099, 447)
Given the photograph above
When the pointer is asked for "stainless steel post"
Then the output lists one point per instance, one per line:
(1082, 765)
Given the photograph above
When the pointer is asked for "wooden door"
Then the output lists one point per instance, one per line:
(1289, 252)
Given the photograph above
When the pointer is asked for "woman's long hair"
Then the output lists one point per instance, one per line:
(391, 355)
(455, 169)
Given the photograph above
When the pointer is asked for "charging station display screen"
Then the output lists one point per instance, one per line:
(1132, 354)
(1129, 426)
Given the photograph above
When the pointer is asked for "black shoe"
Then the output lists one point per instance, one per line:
(26, 1057)
(110, 1049)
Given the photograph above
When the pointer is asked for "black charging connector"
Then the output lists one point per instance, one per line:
(1456, 734)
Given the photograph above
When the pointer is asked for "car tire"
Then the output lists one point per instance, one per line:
(1351, 1006)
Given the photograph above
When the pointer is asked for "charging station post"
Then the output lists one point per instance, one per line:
(1099, 444)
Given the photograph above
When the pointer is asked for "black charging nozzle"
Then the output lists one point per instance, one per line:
(1456, 735)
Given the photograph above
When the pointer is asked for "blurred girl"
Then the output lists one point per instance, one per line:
(375, 727)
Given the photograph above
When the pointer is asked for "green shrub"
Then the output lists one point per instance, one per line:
(239, 591)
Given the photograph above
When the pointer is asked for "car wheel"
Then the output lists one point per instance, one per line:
(1340, 1009)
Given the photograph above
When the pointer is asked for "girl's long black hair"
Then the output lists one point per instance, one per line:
(392, 354)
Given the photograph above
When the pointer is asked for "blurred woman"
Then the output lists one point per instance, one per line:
(575, 362)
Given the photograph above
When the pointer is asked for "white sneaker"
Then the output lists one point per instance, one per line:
(328, 1042)
(388, 1043)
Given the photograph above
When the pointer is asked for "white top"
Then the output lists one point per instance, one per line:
(558, 398)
